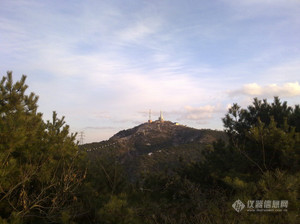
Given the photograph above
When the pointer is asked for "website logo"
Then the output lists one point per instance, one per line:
(261, 205)
(238, 205)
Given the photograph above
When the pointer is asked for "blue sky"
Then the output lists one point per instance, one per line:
(104, 64)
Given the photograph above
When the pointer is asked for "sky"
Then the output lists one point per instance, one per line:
(104, 63)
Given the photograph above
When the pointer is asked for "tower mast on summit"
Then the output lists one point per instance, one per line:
(161, 118)
(150, 121)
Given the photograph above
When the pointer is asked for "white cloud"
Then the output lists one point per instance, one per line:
(252, 89)
(289, 89)
(200, 115)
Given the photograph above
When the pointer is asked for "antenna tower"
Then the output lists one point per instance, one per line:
(161, 118)
(150, 120)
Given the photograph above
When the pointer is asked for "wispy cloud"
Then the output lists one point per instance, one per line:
(197, 114)
(253, 89)
(139, 31)
(99, 128)
(251, 9)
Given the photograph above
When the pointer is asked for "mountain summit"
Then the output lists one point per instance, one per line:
(164, 133)
(155, 144)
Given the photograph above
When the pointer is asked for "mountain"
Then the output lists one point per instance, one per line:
(156, 135)
(164, 134)
(155, 146)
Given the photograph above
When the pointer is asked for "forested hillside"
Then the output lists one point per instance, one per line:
(153, 173)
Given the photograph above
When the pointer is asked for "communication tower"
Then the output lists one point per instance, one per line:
(161, 118)
(150, 120)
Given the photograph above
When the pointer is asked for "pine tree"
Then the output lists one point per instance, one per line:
(39, 170)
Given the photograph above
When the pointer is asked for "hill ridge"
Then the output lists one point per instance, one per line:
(158, 134)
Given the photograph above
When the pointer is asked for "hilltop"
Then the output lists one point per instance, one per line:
(157, 135)
(165, 133)
(155, 146)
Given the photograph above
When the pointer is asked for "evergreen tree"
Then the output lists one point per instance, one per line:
(39, 170)
(265, 134)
